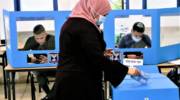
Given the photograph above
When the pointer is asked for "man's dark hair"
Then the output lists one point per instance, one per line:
(38, 29)
(139, 27)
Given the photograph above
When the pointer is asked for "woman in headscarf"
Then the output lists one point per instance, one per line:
(82, 50)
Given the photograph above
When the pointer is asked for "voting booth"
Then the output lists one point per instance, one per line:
(21, 24)
(19, 28)
(117, 25)
(113, 30)
(158, 86)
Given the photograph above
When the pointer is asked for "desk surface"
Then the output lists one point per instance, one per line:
(166, 64)
(170, 63)
(10, 68)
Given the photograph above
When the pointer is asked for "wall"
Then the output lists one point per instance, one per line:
(8, 5)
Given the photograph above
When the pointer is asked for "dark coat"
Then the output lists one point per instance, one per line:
(82, 64)
(31, 43)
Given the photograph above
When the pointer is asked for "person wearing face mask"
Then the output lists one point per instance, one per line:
(136, 39)
(83, 58)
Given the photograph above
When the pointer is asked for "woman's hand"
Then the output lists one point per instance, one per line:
(108, 53)
(133, 71)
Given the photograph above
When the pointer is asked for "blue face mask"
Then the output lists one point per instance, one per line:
(100, 20)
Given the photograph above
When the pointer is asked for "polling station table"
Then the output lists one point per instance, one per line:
(158, 87)
(167, 66)
(11, 81)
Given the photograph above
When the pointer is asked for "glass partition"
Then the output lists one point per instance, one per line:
(169, 30)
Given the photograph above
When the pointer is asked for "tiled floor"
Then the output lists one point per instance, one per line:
(23, 92)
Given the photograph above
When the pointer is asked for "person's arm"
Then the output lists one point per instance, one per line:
(28, 45)
(114, 71)
(121, 43)
(51, 43)
(147, 40)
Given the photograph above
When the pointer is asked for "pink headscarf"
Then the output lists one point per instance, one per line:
(91, 9)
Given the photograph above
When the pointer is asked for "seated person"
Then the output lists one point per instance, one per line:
(40, 40)
(136, 39)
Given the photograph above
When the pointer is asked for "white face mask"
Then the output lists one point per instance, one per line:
(100, 20)
(136, 39)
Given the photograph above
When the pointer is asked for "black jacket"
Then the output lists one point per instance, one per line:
(31, 44)
(81, 48)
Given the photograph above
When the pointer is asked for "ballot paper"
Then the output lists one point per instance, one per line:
(142, 78)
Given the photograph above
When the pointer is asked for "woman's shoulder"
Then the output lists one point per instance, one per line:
(81, 25)
(81, 21)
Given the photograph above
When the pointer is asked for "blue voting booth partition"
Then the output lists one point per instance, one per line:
(154, 55)
(169, 52)
(159, 87)
(15, 27)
